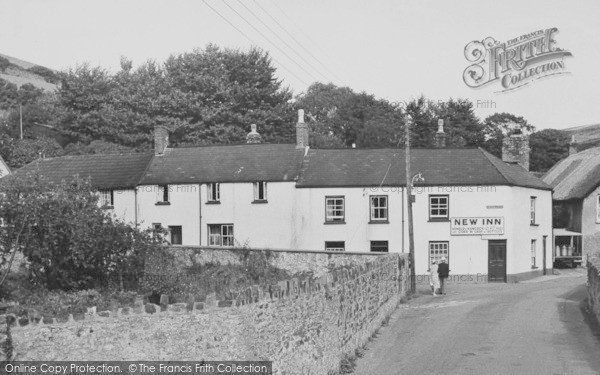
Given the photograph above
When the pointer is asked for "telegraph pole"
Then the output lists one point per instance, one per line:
(21, 120)
(409, 199)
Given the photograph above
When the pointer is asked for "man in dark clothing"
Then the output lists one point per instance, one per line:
(443, 274)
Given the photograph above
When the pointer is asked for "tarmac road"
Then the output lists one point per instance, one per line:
(535, 327)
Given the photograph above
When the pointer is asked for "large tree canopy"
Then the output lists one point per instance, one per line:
(206, 96)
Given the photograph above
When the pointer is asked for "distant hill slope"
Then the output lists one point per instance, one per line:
(21, 72)
(586, 136)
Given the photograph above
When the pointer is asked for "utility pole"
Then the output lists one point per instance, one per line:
(409, 198)
(21, 120)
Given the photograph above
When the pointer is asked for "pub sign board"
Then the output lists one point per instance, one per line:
(476, 226)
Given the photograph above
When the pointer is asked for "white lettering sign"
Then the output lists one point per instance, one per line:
(476, 226)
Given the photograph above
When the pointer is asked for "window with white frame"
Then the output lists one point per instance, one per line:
(598, 208)
(533, 252)
(335, 246)
(438, 207)
(532, 210)
(220, 235)
(437, 251)
(162, 194)
(334, 209)
(214, 192)
(107, 198)
(379, 208)
(260, 191)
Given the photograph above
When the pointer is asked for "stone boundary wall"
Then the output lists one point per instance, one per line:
(593, 266)
(304, 325)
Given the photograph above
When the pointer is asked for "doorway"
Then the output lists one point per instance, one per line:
(497, 261)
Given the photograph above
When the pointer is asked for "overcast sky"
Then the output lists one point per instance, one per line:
(396, 50)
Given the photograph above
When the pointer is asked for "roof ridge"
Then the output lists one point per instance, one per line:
(493, 162)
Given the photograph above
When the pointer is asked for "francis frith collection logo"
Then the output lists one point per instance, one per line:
(514, 63)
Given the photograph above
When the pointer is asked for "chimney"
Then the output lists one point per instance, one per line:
(301, 131)
(253, 136)
(572, 146)
(515, 149)
(440, 136)
(161, 139)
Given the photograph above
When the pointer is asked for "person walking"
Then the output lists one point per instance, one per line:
(434, 279)
(443, 272)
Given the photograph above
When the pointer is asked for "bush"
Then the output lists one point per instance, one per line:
(4, 63)
(48, 74)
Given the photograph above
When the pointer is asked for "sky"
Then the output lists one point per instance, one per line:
(396, 50)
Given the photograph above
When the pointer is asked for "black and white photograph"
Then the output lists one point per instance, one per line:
(299, 187)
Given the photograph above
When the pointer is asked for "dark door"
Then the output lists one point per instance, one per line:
(497, 260)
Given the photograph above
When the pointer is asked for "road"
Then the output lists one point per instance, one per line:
(535, 327)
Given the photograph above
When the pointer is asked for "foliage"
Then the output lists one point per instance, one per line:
(547, 148)
(48, 74)
(337, 116)
(24, 151)
(499, 125)
(8, 94)
(4, 63)
(207, 96)
(68, 241)
(95, 147)
(560, 215)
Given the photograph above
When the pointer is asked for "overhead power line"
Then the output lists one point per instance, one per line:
(297, 41)
(268, 40)
(252, 41)
(283, 41)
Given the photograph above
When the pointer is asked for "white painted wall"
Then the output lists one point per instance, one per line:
(183, 210)
(260, 225)
(124, 206)
(311, 232)
(469, 253)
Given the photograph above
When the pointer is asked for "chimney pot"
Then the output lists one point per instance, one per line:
(573, 146)
(301, 131)
(161, 139)
(253, 136)
(515, 149)
(440, 136)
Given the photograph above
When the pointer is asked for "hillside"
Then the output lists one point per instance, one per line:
(21, 72)
(586, 136)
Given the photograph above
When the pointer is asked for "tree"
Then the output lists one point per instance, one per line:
(547, 147)
(497, 126)
(24, 151)
(339, 116)
(69, 242)
(462, 126)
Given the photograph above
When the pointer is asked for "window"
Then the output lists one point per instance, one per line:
(335, 246)
(532, 211)
(438, 207)
(598, 208)
(162, 194)
(260, 191)
(533, 252)
(107, 198)
(379, 208)
(220, 235)
(214, 192)
(437, 250)
(334, 209)
(175, 234)
(379, 246)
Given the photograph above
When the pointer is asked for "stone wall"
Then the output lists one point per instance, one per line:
(593, 266)
(329, 306)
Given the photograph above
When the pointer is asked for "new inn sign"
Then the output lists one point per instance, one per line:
(476, 226)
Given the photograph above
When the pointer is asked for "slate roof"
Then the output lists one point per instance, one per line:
(386, 167)
(576, 176)
(107, 171)
(284, 162)
(234, 163)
